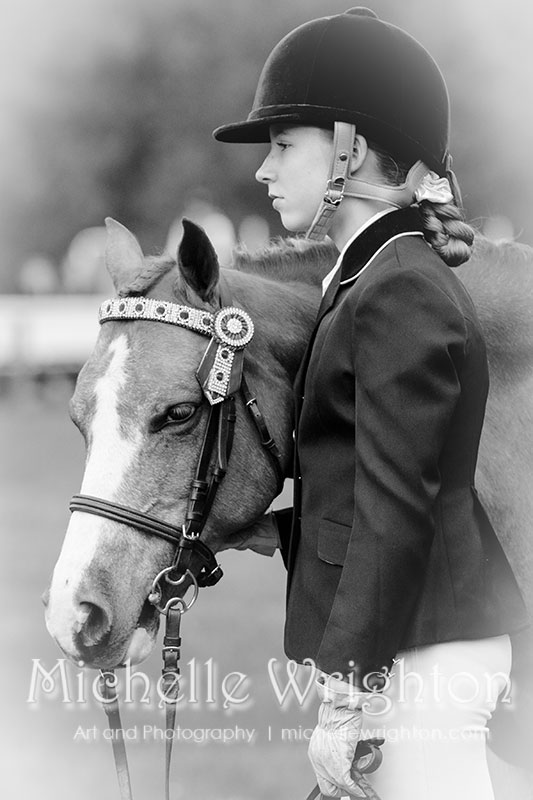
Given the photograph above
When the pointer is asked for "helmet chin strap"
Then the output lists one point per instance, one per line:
(343, 143)
(341, 185)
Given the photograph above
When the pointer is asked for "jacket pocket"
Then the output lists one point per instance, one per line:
(333, 538)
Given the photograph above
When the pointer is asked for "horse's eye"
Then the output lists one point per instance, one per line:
(181, 412)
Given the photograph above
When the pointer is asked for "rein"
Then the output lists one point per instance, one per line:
(194, 564)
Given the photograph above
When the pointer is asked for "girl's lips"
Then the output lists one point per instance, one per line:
(275, 202)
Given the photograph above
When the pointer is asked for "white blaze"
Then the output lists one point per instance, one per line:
(111, 454)
(110, 457)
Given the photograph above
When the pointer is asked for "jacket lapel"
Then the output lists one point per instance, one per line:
(357, 256)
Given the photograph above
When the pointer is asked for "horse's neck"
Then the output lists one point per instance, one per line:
(284, 313)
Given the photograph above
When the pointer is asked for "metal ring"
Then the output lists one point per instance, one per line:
(180, 579)
(171, 602)
(155, 594)
(165, 573)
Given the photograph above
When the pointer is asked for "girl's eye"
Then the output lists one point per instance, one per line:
(282, 145)
(178, 414)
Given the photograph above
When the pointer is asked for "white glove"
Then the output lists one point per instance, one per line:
(334, 741)
(261, 537)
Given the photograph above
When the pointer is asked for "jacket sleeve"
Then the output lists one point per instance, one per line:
(408, 338)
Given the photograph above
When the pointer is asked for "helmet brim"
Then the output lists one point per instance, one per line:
(256, 128)
(253, 131)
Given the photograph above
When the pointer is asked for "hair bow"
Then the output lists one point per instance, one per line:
(434, 189)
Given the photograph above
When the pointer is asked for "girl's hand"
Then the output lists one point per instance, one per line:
(334, 741)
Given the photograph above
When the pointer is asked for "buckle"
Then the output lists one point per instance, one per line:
(334, 191)
(189, 533)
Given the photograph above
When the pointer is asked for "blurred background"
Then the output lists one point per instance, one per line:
(107, 108)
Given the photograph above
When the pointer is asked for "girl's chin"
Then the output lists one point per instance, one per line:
(292, 225)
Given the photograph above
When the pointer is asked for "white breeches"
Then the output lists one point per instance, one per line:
(433, 717)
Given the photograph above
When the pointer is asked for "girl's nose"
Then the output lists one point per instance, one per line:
(264, 173)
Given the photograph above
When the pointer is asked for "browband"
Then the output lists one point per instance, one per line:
(230, 330)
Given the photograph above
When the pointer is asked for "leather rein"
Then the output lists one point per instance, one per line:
(194, 564)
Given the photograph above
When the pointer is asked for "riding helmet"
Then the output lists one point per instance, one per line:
(355, 68)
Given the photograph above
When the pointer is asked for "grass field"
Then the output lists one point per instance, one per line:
(237, 623)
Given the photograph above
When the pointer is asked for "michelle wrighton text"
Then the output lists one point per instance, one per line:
(203, 683)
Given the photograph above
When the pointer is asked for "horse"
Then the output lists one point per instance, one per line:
(142, 413)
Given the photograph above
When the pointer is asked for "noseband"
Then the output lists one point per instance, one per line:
(220, 375)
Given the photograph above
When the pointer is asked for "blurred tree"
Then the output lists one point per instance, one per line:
(112, 104)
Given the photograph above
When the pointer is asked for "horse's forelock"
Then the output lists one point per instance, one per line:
(155, 267)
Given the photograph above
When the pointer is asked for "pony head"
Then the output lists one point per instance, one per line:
(143, 414)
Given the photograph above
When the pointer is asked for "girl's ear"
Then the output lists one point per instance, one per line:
(197, 260)
(359, 154)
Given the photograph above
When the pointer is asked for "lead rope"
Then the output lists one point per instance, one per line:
(170, 680)
(170, 691)
(109, 699)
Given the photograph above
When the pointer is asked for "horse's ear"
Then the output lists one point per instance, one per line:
(198, 262)
(123, 255)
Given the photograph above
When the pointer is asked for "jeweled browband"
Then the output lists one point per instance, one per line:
(230, 330)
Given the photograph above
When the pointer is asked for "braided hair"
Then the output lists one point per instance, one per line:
(445, 228)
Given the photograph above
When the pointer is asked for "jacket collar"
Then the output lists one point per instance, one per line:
(364, 247)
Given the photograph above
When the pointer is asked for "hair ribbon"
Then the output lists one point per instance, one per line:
(434, 189)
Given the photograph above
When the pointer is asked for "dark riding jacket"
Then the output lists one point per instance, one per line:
(390, 547)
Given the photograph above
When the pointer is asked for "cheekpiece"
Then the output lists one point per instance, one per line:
(229, 329)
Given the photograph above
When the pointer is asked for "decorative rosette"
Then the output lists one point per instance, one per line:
(233, 327)
(220, 372)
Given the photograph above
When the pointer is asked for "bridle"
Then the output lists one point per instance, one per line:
(194, 564)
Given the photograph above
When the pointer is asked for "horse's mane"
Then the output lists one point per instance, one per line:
(502, 252)
(283, 260)
(288, 260)
(499, 271)
(503, 265)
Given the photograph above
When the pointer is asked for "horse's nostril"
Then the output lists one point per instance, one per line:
(94, 623)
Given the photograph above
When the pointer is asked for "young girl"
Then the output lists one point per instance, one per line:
(397, 586)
